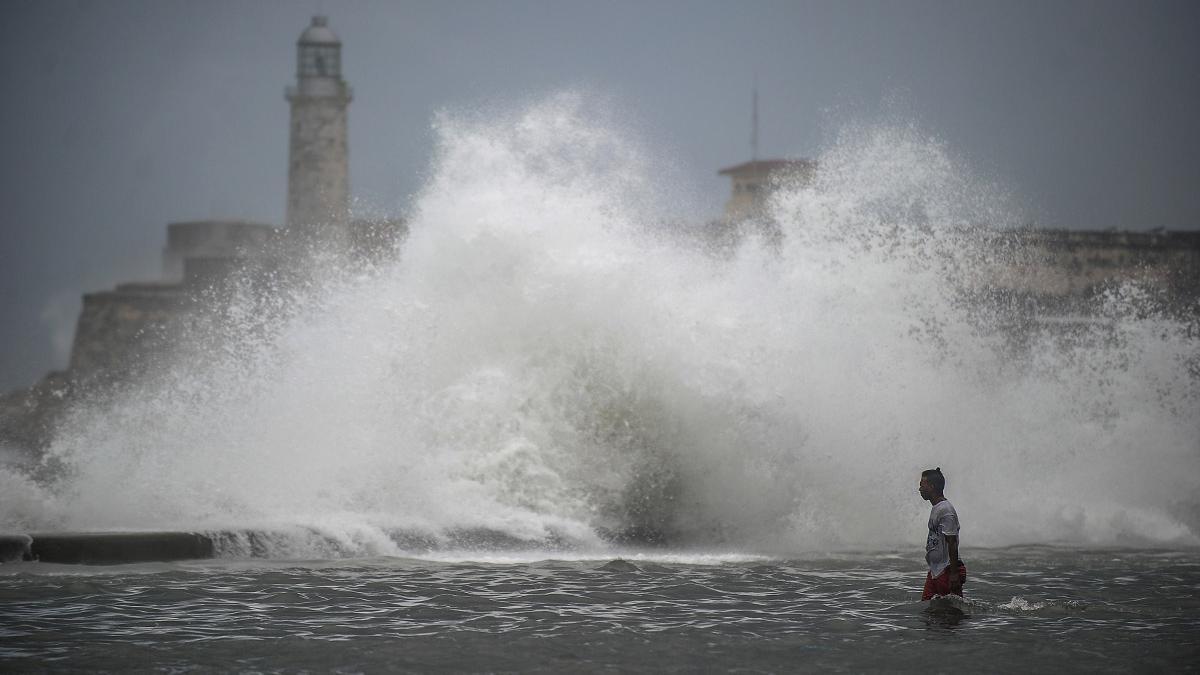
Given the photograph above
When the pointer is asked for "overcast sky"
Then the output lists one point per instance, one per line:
(122, 116)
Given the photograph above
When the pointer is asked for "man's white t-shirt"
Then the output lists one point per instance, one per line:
(943, 520)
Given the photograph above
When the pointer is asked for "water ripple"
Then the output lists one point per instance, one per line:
(226, 616)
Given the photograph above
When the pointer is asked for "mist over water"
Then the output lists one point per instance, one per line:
(548, 358)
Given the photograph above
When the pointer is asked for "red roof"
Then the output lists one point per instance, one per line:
(768, 166)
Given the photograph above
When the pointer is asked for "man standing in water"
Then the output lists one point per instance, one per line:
(947, 573)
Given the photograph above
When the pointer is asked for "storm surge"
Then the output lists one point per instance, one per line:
(551, 358)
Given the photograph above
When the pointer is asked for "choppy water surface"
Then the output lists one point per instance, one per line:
(1032, 608)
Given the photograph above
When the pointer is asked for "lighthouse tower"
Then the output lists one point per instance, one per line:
(318, 175)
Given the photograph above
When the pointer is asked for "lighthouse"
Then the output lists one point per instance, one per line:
(318, 174)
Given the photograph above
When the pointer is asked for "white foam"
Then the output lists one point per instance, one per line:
(547, 362)
(1021, 605)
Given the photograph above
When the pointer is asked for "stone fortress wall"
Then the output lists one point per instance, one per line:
(124, 333)
(1053, 271)
(214, 240)
(1068, 266)
(1057, 272)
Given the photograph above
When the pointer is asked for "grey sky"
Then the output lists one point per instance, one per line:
(121, 116)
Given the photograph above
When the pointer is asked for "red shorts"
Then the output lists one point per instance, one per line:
(940, 585)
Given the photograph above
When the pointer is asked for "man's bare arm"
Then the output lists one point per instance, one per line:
(952, 547)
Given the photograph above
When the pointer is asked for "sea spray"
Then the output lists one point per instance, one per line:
(545, 361)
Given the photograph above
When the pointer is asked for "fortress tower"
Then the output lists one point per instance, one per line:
(318, 180)
(754, 181)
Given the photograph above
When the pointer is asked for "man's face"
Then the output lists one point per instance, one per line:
(925, 489)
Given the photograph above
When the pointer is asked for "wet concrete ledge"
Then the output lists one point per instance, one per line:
(105, 548)
(115, 548)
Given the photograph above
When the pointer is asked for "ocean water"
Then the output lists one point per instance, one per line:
(1030, 608)
(557, 361)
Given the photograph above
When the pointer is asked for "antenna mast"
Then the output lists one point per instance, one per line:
(754, 123)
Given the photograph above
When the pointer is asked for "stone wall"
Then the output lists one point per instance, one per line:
(124, 333)
(121, 335)
(1066, 268)
(213, 239)
(29, 416)
(129, 333)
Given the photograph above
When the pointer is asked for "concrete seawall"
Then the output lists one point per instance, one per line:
(115, 548)
(105, 548)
